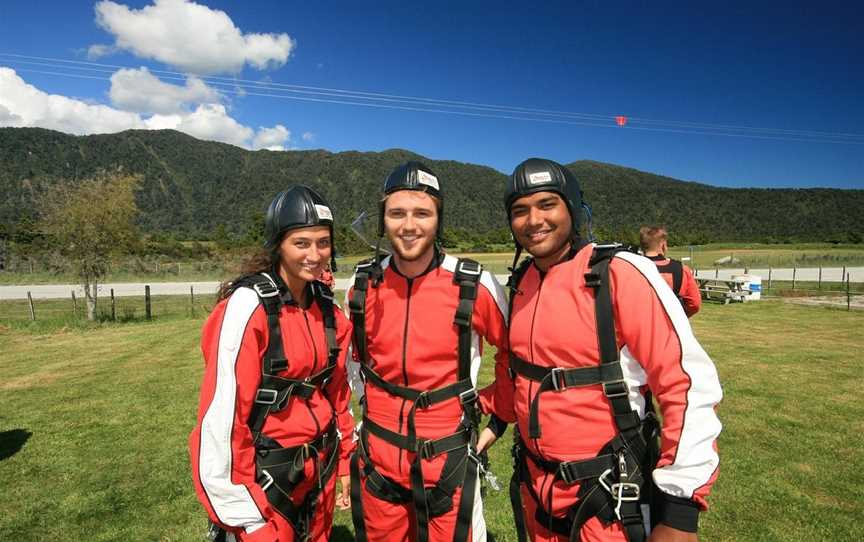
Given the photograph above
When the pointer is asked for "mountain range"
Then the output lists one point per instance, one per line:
(191, 187)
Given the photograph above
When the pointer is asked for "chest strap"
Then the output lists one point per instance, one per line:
(558, 379)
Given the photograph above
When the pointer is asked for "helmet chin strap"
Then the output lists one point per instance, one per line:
(589, 222)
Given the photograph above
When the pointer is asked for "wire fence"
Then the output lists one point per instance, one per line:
(109, 307)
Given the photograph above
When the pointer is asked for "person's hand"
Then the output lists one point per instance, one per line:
(343, 497)
(486, 439)
(665, 533)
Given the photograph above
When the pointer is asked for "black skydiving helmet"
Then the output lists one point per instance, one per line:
(541, 175)
(413, 176)
(297, 207)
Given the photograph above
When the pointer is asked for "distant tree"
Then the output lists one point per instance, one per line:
(89, 223)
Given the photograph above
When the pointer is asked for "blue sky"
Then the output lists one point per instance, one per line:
(682, 72)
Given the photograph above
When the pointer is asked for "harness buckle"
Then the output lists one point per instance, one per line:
(425, 449)
(468, 396)
(558, 383)
(422, 400)
(621, 491)
(266, 396)
(616, 388)
(265, 289)
(467, 269)
(268, 480)
(565, 475)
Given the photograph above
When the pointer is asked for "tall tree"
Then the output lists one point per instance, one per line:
(89, 223)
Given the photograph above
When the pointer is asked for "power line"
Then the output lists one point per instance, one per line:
(236, 86)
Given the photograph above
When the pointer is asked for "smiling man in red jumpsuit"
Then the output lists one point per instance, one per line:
(594, 332)
(419, 318)
(653, 240)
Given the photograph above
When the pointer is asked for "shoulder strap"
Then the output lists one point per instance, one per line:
(467, 275)
(274, 357)
(513, 283)
(268, 295)
(324, 298)
(368, 271)
(598, 279)
(614, 387)
(676, 269)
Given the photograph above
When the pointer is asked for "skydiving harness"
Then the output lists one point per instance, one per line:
(674, 268)
(461, 464)
(280, 470)
(617, 481)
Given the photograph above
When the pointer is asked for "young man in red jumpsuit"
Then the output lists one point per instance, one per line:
(274, 429)
(593, 330)
(419, 317)
(653, 240)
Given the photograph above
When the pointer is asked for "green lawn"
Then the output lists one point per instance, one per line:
(94, 421)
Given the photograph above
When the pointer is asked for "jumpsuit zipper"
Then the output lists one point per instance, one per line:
(531, 353)
(405, 360)
(314, 369)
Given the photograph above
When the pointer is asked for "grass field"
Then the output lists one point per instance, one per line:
(94, 421)
(749, 255)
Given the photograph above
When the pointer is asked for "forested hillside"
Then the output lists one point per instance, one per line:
(193, 188)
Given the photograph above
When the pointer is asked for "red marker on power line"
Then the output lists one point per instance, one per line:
(621, 120)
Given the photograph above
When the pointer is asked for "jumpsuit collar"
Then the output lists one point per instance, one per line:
(437, 259)
(575, 247)
(285, 292)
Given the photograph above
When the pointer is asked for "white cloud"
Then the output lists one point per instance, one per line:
(22, 104)
(29, 106)
(191, 37)
(97, 51)
(272, 139)
(309, 137)
(8, 118)
(208, 121)
(142, 92)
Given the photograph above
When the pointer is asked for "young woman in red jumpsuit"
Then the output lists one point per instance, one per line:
(274, 430)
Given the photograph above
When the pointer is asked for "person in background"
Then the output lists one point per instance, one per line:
(654, 243)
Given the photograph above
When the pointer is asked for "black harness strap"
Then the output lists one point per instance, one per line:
(461, 465)
(676, 269)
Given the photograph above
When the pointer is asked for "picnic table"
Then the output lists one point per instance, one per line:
(725, 290)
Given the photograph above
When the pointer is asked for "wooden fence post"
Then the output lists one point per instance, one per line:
(113, 307)
(716, 272)
(848, 295)
(192, 300)
(32, 309)
(769, 277)
(74, 305)
(794, 272)
(147, 301)
(820, 277)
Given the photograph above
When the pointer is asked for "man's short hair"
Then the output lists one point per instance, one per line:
(650, 237)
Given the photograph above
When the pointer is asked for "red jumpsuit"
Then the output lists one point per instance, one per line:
(233, 341)
(412, 342)
(689, 293)
(553, 324)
